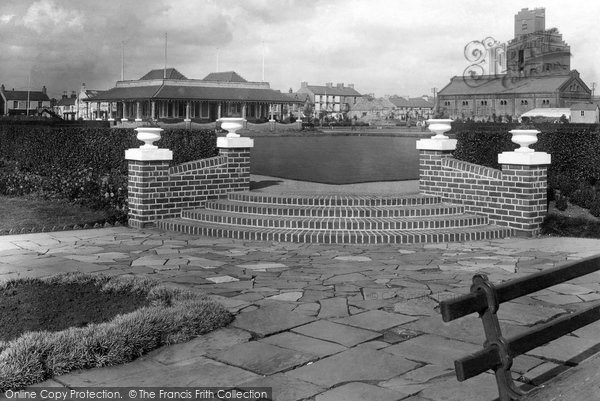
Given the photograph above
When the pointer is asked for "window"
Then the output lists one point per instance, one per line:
(524, 102)
(447, 103)
(465, 103)
(40, 105)
(582, 113)
(484, 102)
(15, 104)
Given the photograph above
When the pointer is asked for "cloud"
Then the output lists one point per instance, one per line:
(382, 46)
(6, 18)
(45, 16)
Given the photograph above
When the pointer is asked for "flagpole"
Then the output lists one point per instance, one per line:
(263, 61)
(28, 90)
(122, 60)
(165, 72)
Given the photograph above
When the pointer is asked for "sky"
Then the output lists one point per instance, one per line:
(383, 47)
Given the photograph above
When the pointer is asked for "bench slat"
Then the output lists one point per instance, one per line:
(550, 331)
(489, 357)
(475, 302)
(580, 383)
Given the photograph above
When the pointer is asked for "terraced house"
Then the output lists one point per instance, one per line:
(15, 102)
(168, 94)
(332, 101)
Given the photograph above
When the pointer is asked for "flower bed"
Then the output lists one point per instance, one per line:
(157, 316)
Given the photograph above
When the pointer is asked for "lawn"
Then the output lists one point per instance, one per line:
(33, 212)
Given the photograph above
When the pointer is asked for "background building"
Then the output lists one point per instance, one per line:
(66, 106)
(331, 101)
(585, 113)
(168, 94)
(14, 102)
(535, 50)
(413, 108)
(501, 96)
(538, 76)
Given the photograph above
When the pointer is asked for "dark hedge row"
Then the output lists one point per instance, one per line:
(83, 164)
(575, 150)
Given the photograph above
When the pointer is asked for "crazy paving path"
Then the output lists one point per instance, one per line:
(323, 322)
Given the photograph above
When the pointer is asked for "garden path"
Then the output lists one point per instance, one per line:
(321, 322)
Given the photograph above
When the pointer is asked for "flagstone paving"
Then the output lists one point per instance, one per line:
(324, 322)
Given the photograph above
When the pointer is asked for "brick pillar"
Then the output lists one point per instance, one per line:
(237, 151)
(525, 187)
(431, 153)
(525, 176)
(145, 179)
(148, 179)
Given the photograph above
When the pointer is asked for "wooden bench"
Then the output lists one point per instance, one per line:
(498, 352)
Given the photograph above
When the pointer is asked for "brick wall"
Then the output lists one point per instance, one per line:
(158, 191)
(514, 196)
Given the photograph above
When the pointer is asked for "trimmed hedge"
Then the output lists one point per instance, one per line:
(84, 164)
(575, 150)
(173, 316)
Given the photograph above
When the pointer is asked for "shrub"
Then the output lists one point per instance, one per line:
(561, 203)
(584, 197)
(564, 226)
(550, 194)
(85, 165)
(575, 149)
(595, 207)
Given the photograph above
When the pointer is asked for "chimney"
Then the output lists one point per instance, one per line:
(73, 95)
(340, 85)
(303, 84)
(64, 95)
(351, 86)
(329, 84)
(2, 88)
(44, 89)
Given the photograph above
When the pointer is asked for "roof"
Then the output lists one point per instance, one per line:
(118, 93)
(584, 106)
(499, 84)
(413, 102)
(227, 76)
(333, 90)
(92, 93)
(194, 93)
(548, 112)
(298, 97)
(364, 104)
(67, 101)
(24, 95)
(171, 73)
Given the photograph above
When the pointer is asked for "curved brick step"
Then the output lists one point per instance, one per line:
(332, 199)
(335, 223)
(476, 233)
(236, 207)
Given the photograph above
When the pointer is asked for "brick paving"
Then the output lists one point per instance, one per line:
(322, 322)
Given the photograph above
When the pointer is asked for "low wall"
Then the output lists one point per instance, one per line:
(515, 196)
(158, 191)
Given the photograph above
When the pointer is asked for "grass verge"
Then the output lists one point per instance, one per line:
(36, 213)
(172, 316)
(565, 226)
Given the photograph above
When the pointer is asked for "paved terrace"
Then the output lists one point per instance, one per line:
(321, 322)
